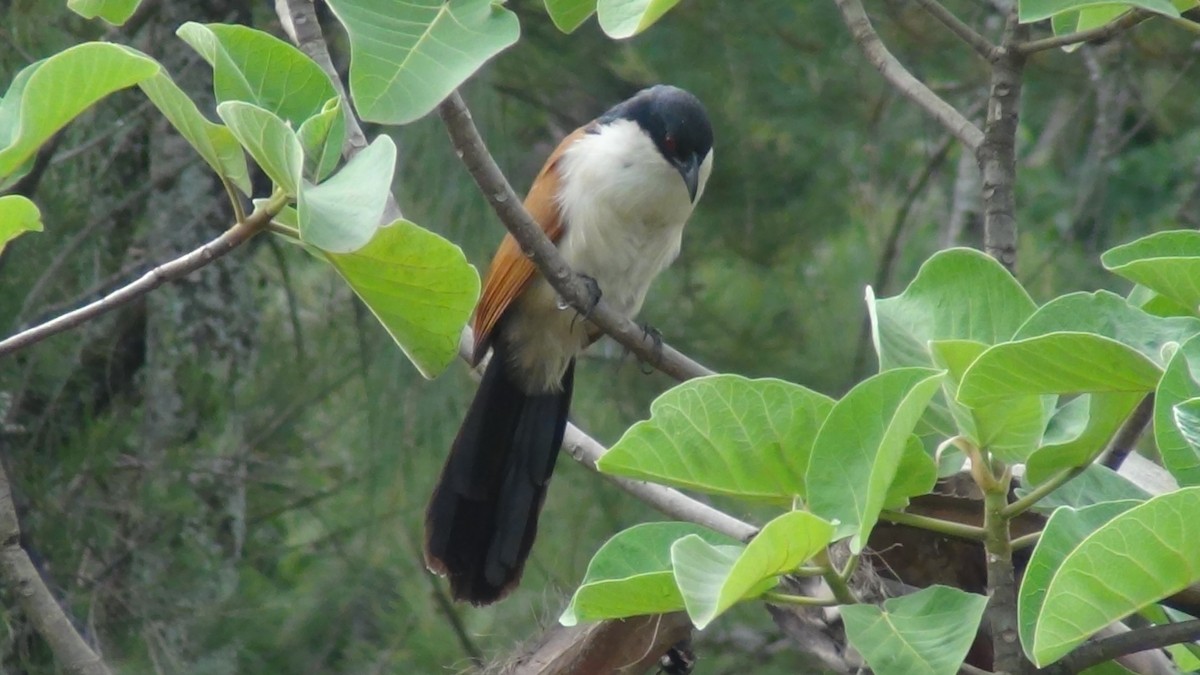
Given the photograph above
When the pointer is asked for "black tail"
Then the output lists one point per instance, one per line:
(483, 515)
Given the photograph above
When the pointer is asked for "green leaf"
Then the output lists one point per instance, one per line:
(859, 447)
(1057, 363)
(1110, 315)
(958, 294)
(626, 18)
(1187, 420)
(269, 140)
(1097, 483)
(725, 434)
(928, 632)
(1180, 383)
(1064, 532)
(418, 285)
(342, 214)
(631, 574)
(1036, 10)
(916, 475)
(215, 143)
(116, 12)
(1139, 557)
(17, 215)
(1106, 412)
(322, 137)
(256, 67)
(1165, 262)
(406, 56)
(46, 95)
(714, 578)
(568, 15)
(1011, 428)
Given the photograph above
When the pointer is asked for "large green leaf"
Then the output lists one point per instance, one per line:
(958, 294)
(342, 214)
(269, 140)
(1065, 530)
(714, 578)
(928, 632)
(1110, 315)
(215, 143)
(116, 12)
(1139, 557)
(1105, 413)
(256, 67)
(916, 475)
(1097, 483)
(418, 285)
(1036, 10)
(859, 448)
(1165, 262)
(626, 18)
(1057, 363)
(46, 95)
(1180, 383)
(406, 56)
(1011, 429)
(631, 574)
(568, 15)
(322, 137)
(17, 215)
(725, 434)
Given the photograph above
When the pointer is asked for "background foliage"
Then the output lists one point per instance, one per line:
(230, 475)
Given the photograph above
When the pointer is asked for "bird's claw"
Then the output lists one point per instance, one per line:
(655, 336)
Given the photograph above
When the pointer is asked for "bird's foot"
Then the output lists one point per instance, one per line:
(655, 336)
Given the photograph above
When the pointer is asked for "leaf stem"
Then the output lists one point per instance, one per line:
(1026, 541)
(1040, 491)
(946, 527)
(798, 600)
(841, 590)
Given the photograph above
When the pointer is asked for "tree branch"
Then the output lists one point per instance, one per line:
(168, 271)
(1118, 25)
(998, 152)
(36, 601)
(1142, 639)
(893, 71)
(1127, 437)
(982, 46)
(534, 243)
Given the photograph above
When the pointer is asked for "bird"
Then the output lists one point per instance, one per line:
(614, 197)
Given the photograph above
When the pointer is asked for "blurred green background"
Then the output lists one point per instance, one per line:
(230, 476)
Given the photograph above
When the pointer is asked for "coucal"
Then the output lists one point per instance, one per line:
(614, 197)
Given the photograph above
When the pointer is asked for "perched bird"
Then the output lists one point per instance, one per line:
(614, 197)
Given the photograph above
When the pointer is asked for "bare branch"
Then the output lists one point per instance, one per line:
(37, 602)
(982, 46)
(998, 153)
(168, 271)
(893, 71)
(535, 244)
(1142, 639)
(1123, 23)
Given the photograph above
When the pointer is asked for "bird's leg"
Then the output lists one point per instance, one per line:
(656, 337)
(594, 295)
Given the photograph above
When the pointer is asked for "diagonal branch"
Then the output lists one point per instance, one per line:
(893, 71)
(1142, 639)
(535, 244)
(982, 46)
(1122, 23)
(168, 271)
(36, 600)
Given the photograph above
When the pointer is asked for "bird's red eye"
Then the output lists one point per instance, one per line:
(669, 143)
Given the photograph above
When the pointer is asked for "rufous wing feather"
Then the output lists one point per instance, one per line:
(511, 271)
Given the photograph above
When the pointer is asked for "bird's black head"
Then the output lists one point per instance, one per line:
(677, 123)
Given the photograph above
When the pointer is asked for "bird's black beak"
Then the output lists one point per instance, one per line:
(690, 170)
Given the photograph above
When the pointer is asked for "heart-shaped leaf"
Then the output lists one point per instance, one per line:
(17, 215)
(928, 632)
(342, 214)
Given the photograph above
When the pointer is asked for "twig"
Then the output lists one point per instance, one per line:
(1026, 541)
(168, 271)
(982, 46)
(37, 602)
(798, 600)
(535, 244)
(1142, 639)
(946, 527)
(1123, 443)
(1122, 23)
(893, 71)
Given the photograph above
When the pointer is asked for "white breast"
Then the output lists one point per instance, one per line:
(624, 208)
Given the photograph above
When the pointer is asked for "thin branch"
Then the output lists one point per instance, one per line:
(982, 46)
(1040, 491)
(1026, 541)
(168, 271)
(1127, 437)
(1123, 23)
(778, 598)
(535, 244)
(1001, 582)
(1142, 639)
(946, 527)
(36, 600)
(893, 71)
